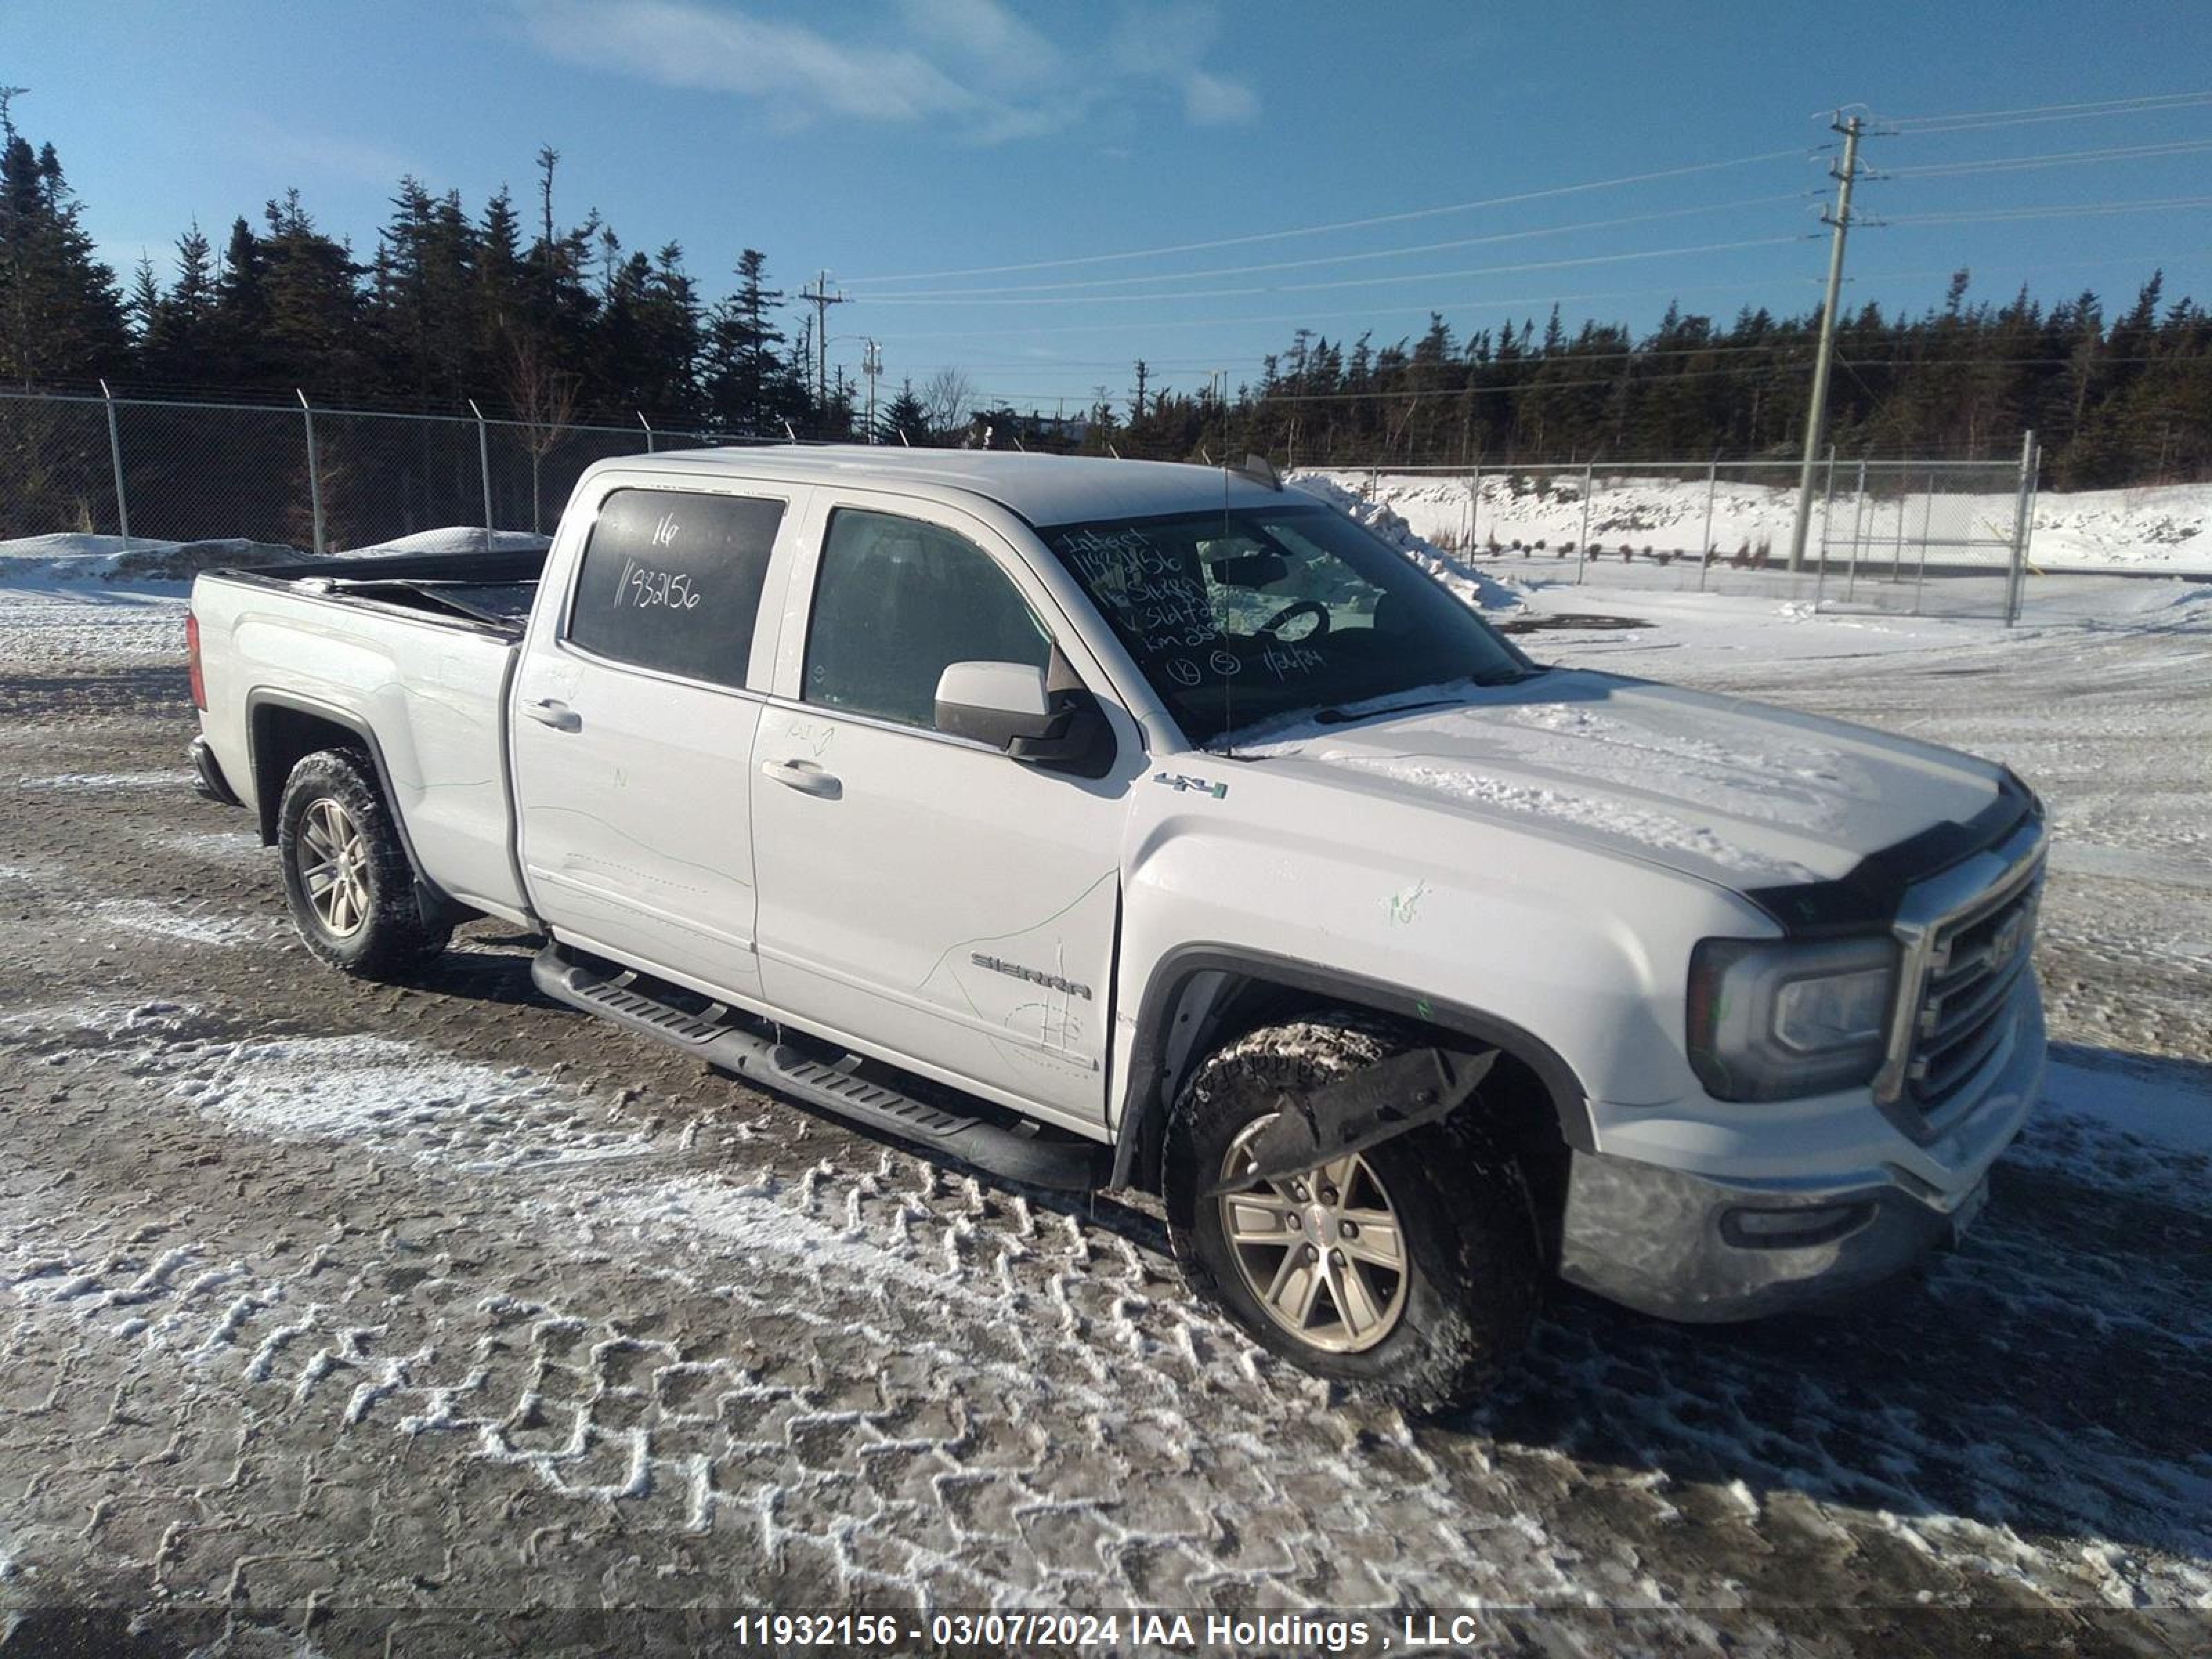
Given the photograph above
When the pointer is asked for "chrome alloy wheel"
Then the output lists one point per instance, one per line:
(334, 866)
(1323, 1252)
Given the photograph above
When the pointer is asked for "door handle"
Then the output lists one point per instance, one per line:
(551, 711)
(805, 776)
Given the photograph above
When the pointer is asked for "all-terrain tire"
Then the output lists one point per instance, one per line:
(1474, 1272)
(379, 931)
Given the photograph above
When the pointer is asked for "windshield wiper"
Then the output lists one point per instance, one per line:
(1338, 716)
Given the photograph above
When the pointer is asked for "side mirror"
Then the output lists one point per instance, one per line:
(1005, 705)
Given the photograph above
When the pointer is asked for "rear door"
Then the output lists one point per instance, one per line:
(637, 708)
(921, 893)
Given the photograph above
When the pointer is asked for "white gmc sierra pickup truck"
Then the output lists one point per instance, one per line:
(1107, 824)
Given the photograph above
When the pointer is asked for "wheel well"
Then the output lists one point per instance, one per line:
(1528, 1100)
(281, 739)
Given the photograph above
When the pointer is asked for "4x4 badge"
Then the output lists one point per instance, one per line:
(1178, 781)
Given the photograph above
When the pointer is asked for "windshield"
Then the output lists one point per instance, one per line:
(1242, 615)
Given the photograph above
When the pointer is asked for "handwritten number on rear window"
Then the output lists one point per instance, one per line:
(646, 588)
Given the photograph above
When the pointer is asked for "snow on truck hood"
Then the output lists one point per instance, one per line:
(1735, 793)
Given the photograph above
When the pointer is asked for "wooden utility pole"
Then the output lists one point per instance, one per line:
(871, 365)
(1816, 417)
(821, 298)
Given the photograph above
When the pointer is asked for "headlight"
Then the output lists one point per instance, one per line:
(1772, 1019)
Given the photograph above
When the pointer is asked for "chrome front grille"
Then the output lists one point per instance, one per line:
(1965, 937)
(1974, 963)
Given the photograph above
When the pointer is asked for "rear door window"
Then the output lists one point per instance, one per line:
(670, 580)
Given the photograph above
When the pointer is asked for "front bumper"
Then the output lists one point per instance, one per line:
(1708, 1247)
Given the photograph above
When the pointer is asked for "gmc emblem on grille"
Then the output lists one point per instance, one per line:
(2005, 943)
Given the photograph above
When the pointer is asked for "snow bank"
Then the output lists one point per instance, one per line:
(2170, 527)
(2167, 528)
(81, 556)
(1483, 593)
(455, 538)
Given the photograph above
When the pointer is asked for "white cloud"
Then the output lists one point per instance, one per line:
(1164, 42)
(1001, 48)
(1215, 101)
(1162, 38)
(794, 70)
(975, 67)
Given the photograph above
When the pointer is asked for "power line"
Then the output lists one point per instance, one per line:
(1478, 302)
(2104, 263)
(2078, 209)
(1970, 120)
(1343, 224)
(2016, 163)
(1315, 316)
(1358, 282)
(1345, 258)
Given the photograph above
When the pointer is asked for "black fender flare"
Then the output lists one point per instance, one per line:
(1145, 1102)
(433, 903)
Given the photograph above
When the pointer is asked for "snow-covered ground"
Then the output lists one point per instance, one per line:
(2167, 528)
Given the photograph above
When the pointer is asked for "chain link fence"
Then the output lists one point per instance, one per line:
(1948, 537)
(329, 479)
(55, 473)
(1937, 537)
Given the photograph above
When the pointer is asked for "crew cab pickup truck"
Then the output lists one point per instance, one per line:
(1112, 824)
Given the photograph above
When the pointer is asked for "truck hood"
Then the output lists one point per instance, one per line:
(1739, 793)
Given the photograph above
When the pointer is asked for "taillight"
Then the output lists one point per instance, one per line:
(192, 661)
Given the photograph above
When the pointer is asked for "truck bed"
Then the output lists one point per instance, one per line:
(492, 589)
(410, 653)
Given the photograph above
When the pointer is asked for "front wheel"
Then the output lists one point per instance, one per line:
(346, 877)
(1409, 1270)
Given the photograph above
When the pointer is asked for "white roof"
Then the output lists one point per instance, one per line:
(1046, 489)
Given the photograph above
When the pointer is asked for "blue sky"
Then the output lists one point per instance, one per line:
(887, 140)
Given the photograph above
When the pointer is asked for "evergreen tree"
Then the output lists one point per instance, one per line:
(62, 316)
(751, 388)
(312, 330)
(239, 353)
(177, 337)
(905, 418)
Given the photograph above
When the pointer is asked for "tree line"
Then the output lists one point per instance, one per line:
(554, 322)
(2115, 400)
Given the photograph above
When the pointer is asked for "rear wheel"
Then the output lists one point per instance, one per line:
(1409, 1270)
(346, 877)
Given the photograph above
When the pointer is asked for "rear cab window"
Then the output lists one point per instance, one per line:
(671, 581)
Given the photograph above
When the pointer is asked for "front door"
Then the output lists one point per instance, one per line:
(634, 734)
(922, 893)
